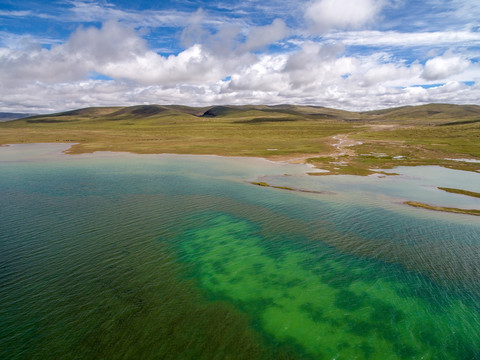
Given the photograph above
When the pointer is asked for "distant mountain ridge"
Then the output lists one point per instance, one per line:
(420, 114)
(430, 111)
(7, 116)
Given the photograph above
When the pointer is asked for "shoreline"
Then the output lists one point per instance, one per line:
(61, 150)
(331, 141)
(317, 162)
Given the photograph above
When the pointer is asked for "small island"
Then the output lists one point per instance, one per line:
(461, 192)
(264, 184)
(442, 208)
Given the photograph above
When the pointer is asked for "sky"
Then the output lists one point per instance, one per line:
(347, 54)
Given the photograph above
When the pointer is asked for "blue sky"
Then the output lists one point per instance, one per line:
(349, 54)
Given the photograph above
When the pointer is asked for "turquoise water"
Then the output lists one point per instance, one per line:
(118, 256)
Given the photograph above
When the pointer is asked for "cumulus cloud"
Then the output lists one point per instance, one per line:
(223, 67)
(113, 50)
(261, 36)
(390, 74)
(229, 37)
(264, 75)
(224, 41)
(112, 42)
(88, 49)
(442, 67)
(324, 15)
(315, 65)
(194, 66)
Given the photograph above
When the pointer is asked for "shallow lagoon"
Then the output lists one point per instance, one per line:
(167, 256)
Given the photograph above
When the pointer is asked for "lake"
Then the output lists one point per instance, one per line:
(123, 256)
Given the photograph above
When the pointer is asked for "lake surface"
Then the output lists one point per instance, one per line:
(121, 256)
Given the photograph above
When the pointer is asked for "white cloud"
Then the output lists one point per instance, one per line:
(91, 11)
(324, 15)
(192, 66)
(391, 74)
(265, 75)
(35, 79)
(465, 11)
(194, 32)
(113, 50)
(230, 38)
(225, 41)
(317, 65)
(442, 67)
(8, 13)
(394, 38)
(94, 11)
(16, 41)
(262, 36)
(87, 50)
(112, 42)
(24, 14)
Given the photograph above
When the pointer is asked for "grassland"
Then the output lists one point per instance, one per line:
(339, 141)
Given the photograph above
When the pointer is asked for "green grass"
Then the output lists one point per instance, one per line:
(173, 131)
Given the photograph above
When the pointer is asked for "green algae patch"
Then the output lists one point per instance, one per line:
(327, 305)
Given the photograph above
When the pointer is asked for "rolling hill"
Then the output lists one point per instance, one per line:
(431, 114)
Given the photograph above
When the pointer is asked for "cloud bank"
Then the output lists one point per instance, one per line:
(238, 63)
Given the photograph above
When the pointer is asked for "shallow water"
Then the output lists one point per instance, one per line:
(166, 257)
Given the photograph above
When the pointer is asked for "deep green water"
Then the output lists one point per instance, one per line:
(179, 257)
